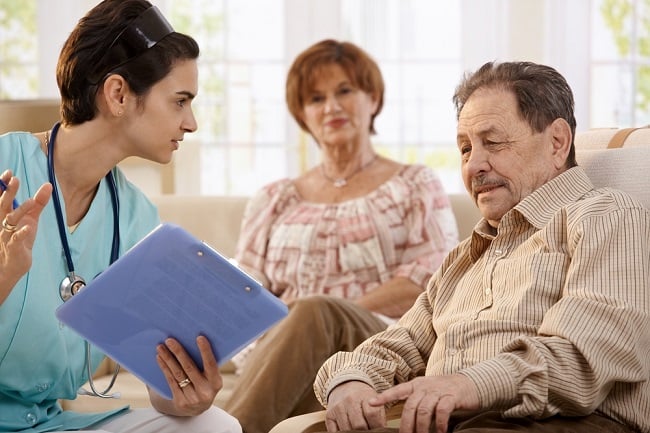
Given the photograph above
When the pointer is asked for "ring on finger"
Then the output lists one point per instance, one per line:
(8, 227)
(183, 383)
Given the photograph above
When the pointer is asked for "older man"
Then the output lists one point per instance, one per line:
(540, 321)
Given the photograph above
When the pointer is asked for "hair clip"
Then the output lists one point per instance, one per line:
(141, 34)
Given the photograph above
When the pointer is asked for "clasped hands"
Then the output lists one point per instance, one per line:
(429, 399)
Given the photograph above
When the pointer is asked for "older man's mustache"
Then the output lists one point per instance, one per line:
(481, 183)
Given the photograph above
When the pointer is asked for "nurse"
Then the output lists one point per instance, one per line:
(127, 81)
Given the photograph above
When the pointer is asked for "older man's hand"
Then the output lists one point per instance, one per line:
(428, 398)
(348, 408)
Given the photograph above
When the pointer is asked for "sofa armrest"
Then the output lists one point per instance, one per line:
(315, 421)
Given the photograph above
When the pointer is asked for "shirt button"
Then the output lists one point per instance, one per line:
(498, 252)
(30, 418)
(488, 291)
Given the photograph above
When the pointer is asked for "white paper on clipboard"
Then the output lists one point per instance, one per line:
(170, 284)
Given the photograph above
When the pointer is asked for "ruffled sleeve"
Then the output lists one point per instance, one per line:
(432, 230)
(261, 213)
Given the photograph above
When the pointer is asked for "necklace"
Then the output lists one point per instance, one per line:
(340, 182)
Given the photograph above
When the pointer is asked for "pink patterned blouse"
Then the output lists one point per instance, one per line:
(296, 248)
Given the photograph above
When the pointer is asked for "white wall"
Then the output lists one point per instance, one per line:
(554, 32)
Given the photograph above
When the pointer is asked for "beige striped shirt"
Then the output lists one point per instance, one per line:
(548, 316)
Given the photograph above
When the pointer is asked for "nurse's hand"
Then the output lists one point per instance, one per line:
(18, 231)
(193, 391)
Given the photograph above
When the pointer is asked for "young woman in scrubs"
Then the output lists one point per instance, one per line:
(127, 81)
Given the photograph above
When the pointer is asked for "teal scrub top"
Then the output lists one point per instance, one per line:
(41, 360)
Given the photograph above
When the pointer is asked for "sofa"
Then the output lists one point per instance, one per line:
(215, 220)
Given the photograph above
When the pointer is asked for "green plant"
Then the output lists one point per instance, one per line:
(632, 41)
(18, 69)
(205, 22)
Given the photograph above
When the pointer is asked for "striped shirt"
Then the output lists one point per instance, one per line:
(550, 315)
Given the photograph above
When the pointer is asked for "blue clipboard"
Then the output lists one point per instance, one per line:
(170, 284)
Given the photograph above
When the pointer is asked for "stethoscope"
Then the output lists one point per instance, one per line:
(72, 283)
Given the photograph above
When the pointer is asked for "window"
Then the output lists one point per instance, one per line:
(240, 109)
(621, 63)
(417, 45)
(246, 137)
(18, 53)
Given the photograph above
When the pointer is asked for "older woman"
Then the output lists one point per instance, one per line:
(348, 245)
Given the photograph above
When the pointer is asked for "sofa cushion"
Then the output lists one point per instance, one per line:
(466, 213)
(214, 220)
(623, 167)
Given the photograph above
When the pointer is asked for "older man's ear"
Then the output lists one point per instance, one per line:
(562, 139)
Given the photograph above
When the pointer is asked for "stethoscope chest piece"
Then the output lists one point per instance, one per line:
(70, 286)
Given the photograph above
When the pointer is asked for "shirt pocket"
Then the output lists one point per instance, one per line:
(525, 287)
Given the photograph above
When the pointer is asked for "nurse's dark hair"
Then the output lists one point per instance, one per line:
(543, 94)
(83, 57)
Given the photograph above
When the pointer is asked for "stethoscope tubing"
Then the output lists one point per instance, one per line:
(115, 246)
(115, 250)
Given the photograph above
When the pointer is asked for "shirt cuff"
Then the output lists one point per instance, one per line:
(348, 375)
(495, 384)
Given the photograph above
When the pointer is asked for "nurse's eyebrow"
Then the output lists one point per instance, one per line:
(187, 94)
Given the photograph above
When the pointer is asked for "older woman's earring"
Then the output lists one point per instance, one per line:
(119, 113)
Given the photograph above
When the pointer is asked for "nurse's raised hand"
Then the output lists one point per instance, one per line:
(18, 231)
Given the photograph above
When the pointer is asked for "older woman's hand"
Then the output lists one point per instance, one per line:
(193, 391)
(18, 232)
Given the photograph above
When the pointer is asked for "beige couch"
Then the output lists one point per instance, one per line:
(215, 220)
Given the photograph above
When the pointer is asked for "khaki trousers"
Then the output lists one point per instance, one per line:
(277, 379)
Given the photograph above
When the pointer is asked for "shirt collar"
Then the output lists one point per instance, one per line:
(538, 207)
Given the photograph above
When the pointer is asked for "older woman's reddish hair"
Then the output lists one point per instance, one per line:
(360, 68)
